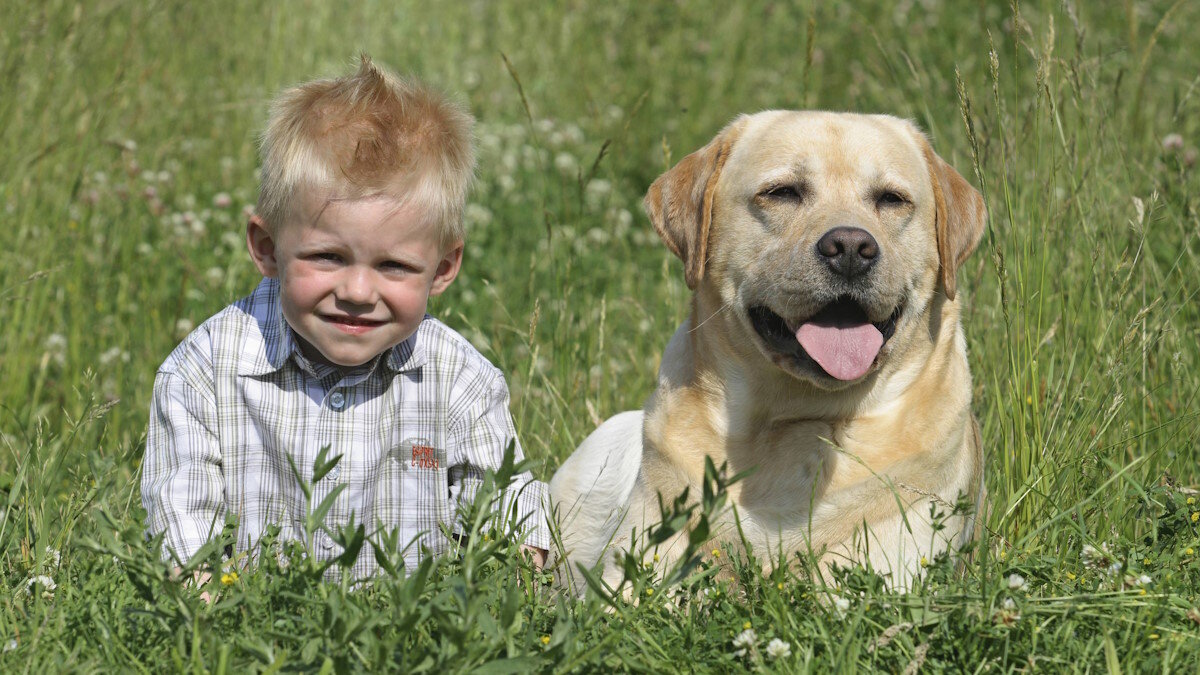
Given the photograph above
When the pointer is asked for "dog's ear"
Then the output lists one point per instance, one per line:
(680, 201)
(961, 217)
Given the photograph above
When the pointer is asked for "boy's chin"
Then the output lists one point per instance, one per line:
(338, 355)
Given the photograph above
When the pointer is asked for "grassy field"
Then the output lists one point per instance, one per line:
(128, 158)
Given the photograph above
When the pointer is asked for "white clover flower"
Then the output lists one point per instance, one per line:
(565, 163)
(614, 112)
(215, 275)
(597, 191)
(56, 343)
(489, 142)
(1143, 580)
(624, 218)
(1101, 559)
(10, 645)
(113, 355)
(183, 327)
(506, 182)
(163, 176)
(44, 581)
(222, 200)
(1017, 582)
(745, 641)
(574, 134)
(544, 126)
(1007, 615)
(233, 240)
(477, 215)
(842, 604)
(53, 556)
(778, 649)
(144, 249)
(1172, 142)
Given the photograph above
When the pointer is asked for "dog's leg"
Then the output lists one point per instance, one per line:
(590, 492)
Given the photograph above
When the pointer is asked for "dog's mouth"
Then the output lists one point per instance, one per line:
(839, 339)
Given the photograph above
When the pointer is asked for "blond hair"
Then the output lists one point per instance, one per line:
(368, 134)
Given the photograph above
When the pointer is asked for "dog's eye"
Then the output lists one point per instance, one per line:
(889, 198)
(790, 192)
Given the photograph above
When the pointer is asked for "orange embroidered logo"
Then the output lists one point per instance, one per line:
(424, 457)
(419, 454)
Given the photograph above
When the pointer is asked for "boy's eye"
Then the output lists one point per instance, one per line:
(395, 266)
(325, 257)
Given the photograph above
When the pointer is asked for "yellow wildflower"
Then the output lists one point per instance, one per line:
(229, 577)
(1195, 516)
(1191, 500)
(1188, 551)
(649, 592)
(746, 626)
(779, 586)
(545, 639)
(924, 561)
(1071, 576)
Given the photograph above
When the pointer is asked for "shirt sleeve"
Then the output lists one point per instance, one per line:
(183, 489)
(479, 438)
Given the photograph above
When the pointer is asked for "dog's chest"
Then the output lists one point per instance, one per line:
(789, 464)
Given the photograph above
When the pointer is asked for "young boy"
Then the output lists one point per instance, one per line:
(358, 223)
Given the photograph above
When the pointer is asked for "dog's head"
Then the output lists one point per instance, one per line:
(826, 235)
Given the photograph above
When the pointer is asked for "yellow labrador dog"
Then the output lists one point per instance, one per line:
(824, 350)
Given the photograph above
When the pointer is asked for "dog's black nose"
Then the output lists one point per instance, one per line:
(849, 251)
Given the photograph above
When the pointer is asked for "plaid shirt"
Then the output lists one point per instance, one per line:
(416, 428)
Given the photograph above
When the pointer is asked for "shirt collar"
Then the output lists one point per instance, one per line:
(279, 342)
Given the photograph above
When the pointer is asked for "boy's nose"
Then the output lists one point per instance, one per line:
(356, 287)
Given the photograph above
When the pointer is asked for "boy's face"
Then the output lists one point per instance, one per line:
(355, 276)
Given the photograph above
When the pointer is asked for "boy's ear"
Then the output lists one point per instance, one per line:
(447, 268)
(262, 246)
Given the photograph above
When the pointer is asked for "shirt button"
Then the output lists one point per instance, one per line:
(337, 400)
(326, 541)
(334, 473)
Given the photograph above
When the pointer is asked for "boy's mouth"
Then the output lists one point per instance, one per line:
(351, 324)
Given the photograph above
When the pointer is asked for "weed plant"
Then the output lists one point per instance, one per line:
(128, 163)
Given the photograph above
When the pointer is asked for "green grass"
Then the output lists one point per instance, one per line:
(122, 122)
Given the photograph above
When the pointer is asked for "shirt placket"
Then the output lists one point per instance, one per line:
(337, 426)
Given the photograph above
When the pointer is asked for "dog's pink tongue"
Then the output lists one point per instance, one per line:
(843, 349)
